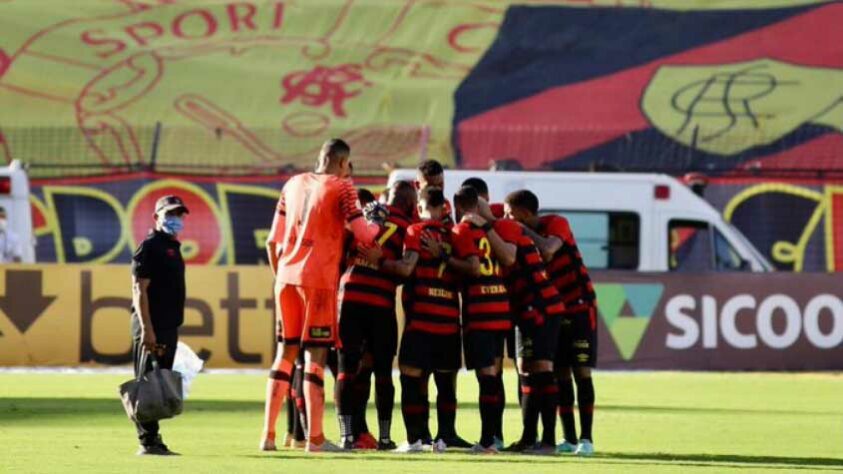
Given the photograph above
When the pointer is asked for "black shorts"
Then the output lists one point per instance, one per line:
(430, 352)
(366, 328)
(482, 348)
(537, 342)
(578, 340)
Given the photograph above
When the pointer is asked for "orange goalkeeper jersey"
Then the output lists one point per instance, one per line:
(314, 208)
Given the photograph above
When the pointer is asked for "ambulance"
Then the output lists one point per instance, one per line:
(627, 221)
(14, 198)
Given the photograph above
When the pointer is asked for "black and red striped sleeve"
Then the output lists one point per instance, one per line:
(349, 205)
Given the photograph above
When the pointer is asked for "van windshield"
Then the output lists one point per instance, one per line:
(762, 260)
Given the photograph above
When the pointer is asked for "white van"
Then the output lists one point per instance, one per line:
(627, 221)
(14, 197)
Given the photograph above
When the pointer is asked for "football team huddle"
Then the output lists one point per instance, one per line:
(478, 282)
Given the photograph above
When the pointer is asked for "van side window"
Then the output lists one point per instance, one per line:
(690, 246)
(607, 240)
(728, 259)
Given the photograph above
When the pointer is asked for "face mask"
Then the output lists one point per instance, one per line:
(172, 225)
(3, 225)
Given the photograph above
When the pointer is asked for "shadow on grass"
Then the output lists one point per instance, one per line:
(691, 460)
(26, 410)
(789, 462)
(25, 407)
(22, 409)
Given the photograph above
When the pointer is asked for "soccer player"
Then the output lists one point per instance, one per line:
(305, 250)
(431, 339)
(485, 310)
(430, 173)
(538, 309)
(362, 380)
(488, 209)
(577, 348)
(368, 323)
(494, 212)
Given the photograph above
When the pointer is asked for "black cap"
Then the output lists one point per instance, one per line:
(169, 203)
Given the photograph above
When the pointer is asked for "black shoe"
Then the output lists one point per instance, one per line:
(348, 444)
(519, 446)
(454, 441)
(387, 445)
(156, 450)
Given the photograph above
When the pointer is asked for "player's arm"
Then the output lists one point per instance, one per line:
(276, 235)
(404, 267)
(140, 300)
(469, 266)
(364, 231)
(505, 252)
(485, 211)
(272, 253)
(548, 246)
(467, 259)
(143, 265)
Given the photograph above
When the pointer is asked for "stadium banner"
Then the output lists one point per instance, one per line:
(720, 321)
(794, 222)
(69, 315)
(102, 220)
(258, 84)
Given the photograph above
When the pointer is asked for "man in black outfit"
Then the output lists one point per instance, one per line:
(158, 295)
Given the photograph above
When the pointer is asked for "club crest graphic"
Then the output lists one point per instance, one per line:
(728, 109)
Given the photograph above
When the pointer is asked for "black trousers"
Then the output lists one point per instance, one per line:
(148, 432)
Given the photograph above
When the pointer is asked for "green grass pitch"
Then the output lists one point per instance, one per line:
(645, 422)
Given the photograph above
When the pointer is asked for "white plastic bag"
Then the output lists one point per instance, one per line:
(188, 364)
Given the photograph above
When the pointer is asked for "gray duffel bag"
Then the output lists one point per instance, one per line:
(153, 396)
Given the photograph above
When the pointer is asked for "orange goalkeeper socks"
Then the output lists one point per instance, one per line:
(314, 393)
(277, 388)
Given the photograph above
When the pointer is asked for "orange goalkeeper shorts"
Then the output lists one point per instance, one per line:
(308, 315)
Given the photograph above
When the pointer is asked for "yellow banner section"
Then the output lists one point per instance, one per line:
(69, 315)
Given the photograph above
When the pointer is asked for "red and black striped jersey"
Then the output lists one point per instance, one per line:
(485, 302)
(432, 303)
(532, 292)
(362, 281)
(567, 270)
(497, 209)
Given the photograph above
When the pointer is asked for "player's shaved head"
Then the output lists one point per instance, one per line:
(402, 194)
(431, 203)
(432, 196)
(335, 149)
(466, 199)
(333, 158)
(430, 168)
(524, 200)
(479, 185)
(431, 173)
